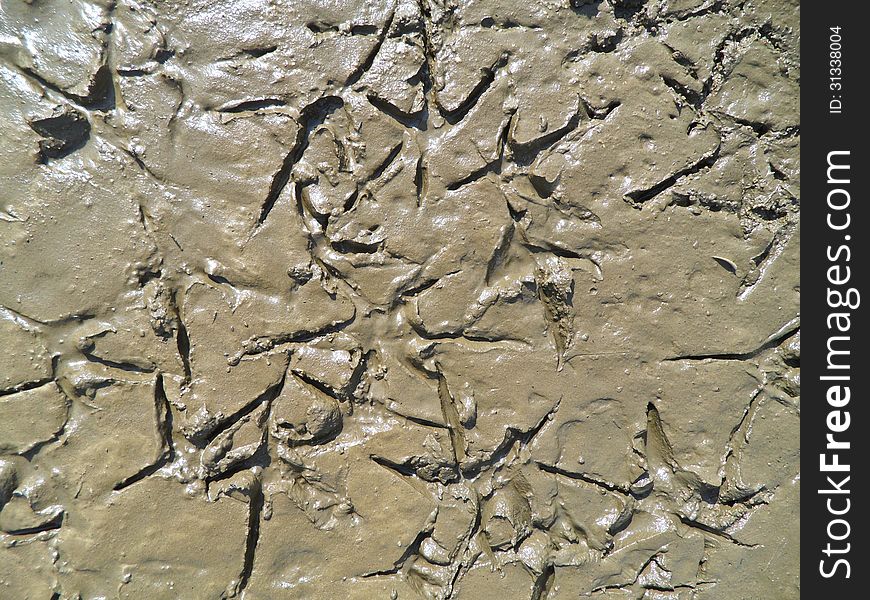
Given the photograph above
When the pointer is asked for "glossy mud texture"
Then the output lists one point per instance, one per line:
(342, 299)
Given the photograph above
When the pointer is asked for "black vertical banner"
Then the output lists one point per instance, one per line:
(834, 423)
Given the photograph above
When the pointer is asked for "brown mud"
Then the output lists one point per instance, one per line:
(399, 299)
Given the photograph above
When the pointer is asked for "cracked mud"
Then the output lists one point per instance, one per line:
(399, 299)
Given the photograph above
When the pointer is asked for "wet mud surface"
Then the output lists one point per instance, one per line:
(413, 299)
